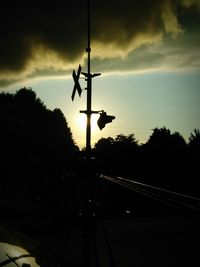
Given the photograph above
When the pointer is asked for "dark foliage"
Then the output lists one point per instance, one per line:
(115, 156)
(37, 148)
(194, 155)
(165, 160)
(166, 157)
(38, 154)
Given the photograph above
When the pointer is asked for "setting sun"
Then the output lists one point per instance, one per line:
(81, 122)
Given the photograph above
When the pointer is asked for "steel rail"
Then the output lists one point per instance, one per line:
(159, 188)
(139, 191)
(157, 195)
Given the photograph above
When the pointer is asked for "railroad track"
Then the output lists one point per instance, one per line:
(186, 203)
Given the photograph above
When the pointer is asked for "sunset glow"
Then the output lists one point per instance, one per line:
(81, 120)
(149, 71)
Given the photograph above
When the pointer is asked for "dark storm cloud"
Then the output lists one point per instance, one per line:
(26, 26)
(45, 39)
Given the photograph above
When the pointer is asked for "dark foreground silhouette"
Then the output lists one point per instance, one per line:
(40, 162)
(68, 215)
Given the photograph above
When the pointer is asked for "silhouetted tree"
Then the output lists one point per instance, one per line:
(117, 156)
(194, 140)
(194, 153)
(37, 147)
(104, 153)
(166, 158)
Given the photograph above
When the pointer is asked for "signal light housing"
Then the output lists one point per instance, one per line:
(104, 119)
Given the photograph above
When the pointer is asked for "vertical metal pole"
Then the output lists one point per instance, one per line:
(89, 88)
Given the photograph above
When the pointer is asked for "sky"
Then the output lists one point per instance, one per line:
(147, 51)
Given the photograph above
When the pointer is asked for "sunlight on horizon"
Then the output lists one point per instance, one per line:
(139, 102)
(81, 120)
(78, 127)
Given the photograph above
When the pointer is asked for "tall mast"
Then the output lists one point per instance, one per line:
(104, 118)
(89, 87)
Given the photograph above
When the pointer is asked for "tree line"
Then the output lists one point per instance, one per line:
(165, 160)
(39, 156)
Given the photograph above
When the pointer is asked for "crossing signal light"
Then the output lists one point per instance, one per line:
(104, 119)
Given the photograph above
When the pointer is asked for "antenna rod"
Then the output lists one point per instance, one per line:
(89, 88)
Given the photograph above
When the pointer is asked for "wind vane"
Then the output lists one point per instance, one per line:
(104, 118)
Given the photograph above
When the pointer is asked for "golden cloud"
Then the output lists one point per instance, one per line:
(49, 40)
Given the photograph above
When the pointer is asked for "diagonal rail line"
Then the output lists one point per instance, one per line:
(159, 188)
(168, 197)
